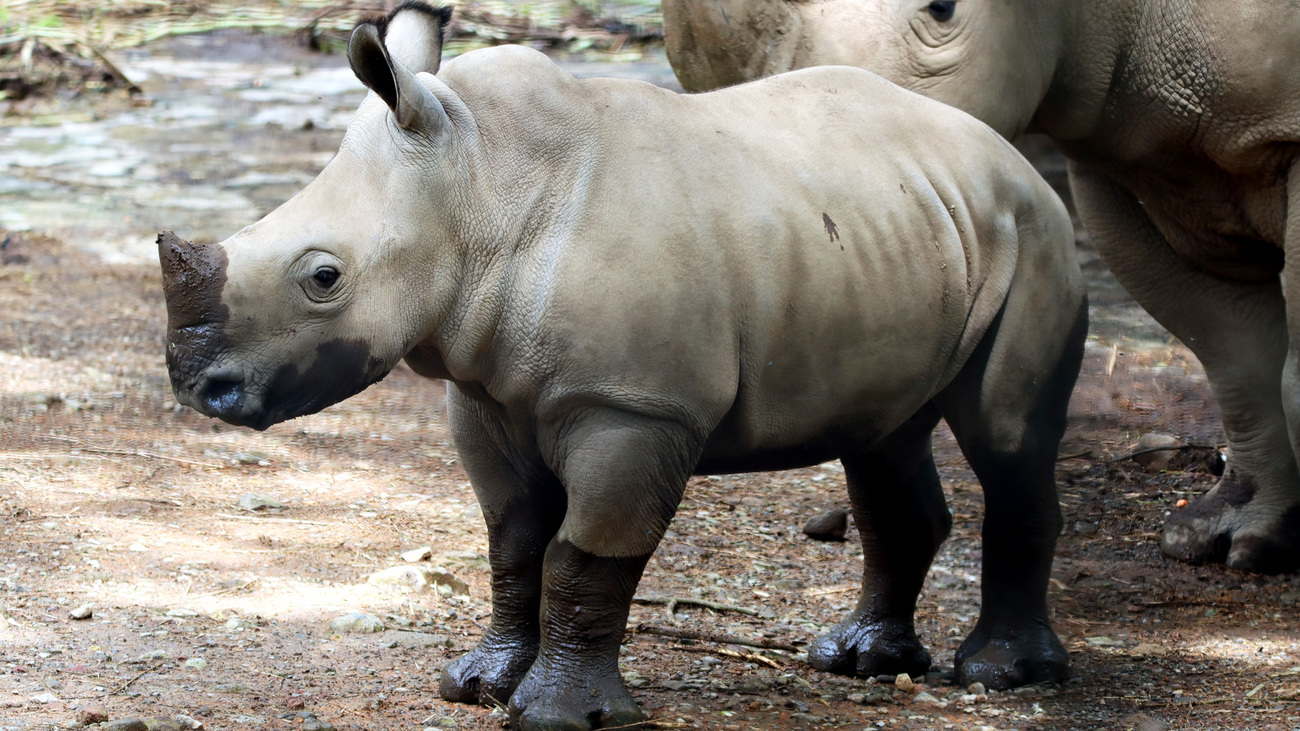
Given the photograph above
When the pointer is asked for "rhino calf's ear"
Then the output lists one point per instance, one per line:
(413, 34)
(413, 105)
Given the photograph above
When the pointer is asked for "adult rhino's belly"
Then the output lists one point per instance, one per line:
(1229, 225)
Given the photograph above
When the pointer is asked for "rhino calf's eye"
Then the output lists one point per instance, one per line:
(326, 277)
(942, 10)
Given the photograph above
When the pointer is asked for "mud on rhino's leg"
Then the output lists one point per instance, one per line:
(523, 505)
(1007, 409)
(900, 511)
(1238, 330)
(624, 475)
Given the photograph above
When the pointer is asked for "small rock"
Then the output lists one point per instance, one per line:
(163, 724)
(1085, 527)
(91, 713)
(259, 502)
(1143, 722)
(44, 698)
(154, 655)
(828, 526)
(924, 697)
(182, 612)
(1103, 642)
(445, 722)
(419, 577)
(1156, 461)
(126, 724)
(469, 559)
(1147, 649)
(251, 458)
(235, 623)
(904, 683)
(976, 688)
(186, 722)
(311, 723)
(357, 622)
(196, 663)
(415, 640)
(673, 685)
(295, 702)
(423, 553)
(85, 611)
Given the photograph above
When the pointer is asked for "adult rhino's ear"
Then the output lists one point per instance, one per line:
(413, 34)
(413, 105)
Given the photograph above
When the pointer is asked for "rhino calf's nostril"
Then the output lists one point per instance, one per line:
(222, 394)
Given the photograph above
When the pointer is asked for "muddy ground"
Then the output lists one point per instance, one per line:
(115, 497)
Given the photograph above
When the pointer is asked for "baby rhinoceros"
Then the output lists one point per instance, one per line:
(625, 286)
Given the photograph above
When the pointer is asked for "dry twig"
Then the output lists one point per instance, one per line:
(721, 639)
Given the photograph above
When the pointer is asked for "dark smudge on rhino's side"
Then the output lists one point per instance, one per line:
(341, 369)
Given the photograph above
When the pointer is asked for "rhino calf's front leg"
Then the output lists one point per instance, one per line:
(624, 476)
(523, 506)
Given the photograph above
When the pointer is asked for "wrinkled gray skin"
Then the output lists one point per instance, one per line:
(624, 286)
(1181, 120)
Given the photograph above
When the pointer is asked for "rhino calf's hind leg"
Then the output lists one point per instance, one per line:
(900, 511)
(1007, 410)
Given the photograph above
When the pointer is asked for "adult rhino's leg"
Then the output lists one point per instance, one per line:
(523, 505)
(624, 475)
(1007, 409)
(1238, 330)
(899, 509)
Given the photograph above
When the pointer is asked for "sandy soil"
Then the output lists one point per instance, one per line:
(116, 498)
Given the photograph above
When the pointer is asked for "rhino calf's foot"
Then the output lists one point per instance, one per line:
(867, 648)
(1009, 657)
(572, 699)
(1233, 524)
(489, 673)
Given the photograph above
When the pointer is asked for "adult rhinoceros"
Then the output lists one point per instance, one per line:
(1181, 119)
(625, 286)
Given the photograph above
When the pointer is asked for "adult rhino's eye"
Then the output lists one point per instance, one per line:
(326, 277)
(942, 10)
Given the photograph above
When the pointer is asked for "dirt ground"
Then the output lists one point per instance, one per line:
(115, 497)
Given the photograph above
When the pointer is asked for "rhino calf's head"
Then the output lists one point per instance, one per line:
(323, 296)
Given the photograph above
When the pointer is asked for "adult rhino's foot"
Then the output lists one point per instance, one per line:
(1237, 525)
(572, 699)
(1009, 657)
(489, 673)
(869, 648)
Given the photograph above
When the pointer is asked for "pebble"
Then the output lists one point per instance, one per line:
(1156, 461)
(126, 724)
(419, 577)
(235, 623)
(904, 683)
(976, 688)
(828, 526)
(182, 612)
(311, 723)
(259, 502)
(924, 697)
(91, 713)
(85, 611)
(444, 722)
(44, 698)
(1143, 722)
(1147, 649)
(356, 622)
(196, 663)
(415, 640)
(423, 553)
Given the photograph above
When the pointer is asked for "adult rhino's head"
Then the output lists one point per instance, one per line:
(992, 58)
(324, 295)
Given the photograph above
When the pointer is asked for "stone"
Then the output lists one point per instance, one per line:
(976, 688)
(420, 577)
(415, 555)
(1156, 461)
(235, 623)
(126, 724)
(828, 526)
(163, 724)
(182, 612)
(196, 663)
(1147, 649)
(85, 611)
(357, 623)
(91, 713)
(904, 683)
(415, 640)
(311, 723)
(254, 503)
(1143, 722)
